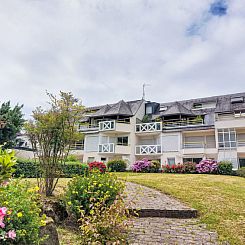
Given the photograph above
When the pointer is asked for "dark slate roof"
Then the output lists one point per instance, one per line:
(120, 108)
(223, 104)
(177, 109)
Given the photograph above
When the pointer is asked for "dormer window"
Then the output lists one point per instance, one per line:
(197, 106)
(148, 109)
(236, 100)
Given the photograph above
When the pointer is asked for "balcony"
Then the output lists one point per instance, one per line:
(114, 149)
(148, 127)
(148, 149)
(115, 125)
(182, 123)
(199, 147)
(77, 146)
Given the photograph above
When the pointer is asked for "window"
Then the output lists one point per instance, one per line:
(122, 140)
(197, 106)
(90, 159)
(171, 161)
(103, 159)
(148, 109)
(241, 162)
(235, 100)
(196, 160)
(227, 138)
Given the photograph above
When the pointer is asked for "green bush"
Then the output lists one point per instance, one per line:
(117, 165)
(154, 166)
(26, 168)
(189, 167)
(82, 191)
(241, 172)
(225, 167)
(71, 169)
(7, 162)
(72, 158)
(30, 169)
(23, 212)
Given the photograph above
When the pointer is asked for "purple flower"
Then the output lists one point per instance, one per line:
(141, 165)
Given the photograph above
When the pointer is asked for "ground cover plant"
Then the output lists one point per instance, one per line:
(219, 199)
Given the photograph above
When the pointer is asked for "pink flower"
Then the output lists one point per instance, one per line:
(2, 225)
(3, 211)
(11, 234)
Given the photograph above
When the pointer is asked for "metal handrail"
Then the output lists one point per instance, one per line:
(241, 143)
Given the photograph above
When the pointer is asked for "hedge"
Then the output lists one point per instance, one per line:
(30, 169)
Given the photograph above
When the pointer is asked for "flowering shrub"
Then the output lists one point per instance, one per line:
(19, 214)
(155, 166)
(97, 166)
(175, 168)
(207, 166)
(141, 165)
(105, 224)
(83, 191)
(189, 167)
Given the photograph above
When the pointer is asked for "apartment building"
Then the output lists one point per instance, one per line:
(189, 130)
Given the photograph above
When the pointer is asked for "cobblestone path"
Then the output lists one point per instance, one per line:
(151, 229)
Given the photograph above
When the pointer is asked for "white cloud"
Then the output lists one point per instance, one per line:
(104, 50)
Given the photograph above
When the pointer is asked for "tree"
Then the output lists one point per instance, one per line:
(11, 122)
(52, 132)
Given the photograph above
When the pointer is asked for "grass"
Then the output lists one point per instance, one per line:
(219, 199)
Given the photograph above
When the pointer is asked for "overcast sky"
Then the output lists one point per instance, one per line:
(103, 51)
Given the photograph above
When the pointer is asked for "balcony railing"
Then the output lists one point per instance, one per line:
(201, 144)
(107, 125)
(77, 146)
(182, 123)
(148, 127)
(106, 148)
(241, 143)
(148, 149)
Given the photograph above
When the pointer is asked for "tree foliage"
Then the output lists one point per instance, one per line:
(52, 132)
(12, 121)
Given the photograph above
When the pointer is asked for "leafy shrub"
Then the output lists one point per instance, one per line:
(225, 167)
(30, 169)
(22, 214)
(207, 166)
(141, 166)
(189, 167)
(7, 162)
(83, 191)
(105, 224)
(72, 158)
(117, 165)
(26, 168)
(70, 169)
(175, 168)
(97, 166)
(154, 166)
(241, 172)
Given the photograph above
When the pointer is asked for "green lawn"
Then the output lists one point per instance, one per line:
(220, 200)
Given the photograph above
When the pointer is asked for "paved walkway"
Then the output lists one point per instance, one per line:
(163, 220)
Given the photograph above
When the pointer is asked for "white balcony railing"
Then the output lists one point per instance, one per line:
(241, 143)
(106, 148)
(77, 146)
(148, 149)
(201, 144)
(148, 127)
(107, 125)
(182, 123)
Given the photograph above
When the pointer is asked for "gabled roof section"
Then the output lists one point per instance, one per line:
(176, 109)
(120, 108)
(102, 111)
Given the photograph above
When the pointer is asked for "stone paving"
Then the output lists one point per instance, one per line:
(162, 230)
(153, 203)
